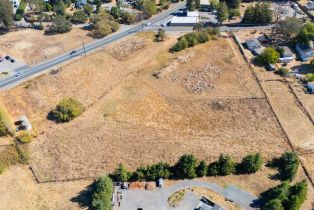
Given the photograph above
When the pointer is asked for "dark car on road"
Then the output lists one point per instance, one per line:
(12, 60)
(1, 59)
(7, 57)
(73, 52)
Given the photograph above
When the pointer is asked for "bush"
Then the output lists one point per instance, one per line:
(160, 36)
(283, 71)
(201, 169)
(79, 17)
(212, 169)
(279, 192)
(288, 165)
(269, 55)
(24, 137)
(101, 198)
(149, 8)
(309, 77)
(159, 170)
(41, 27)
(192, 39)
(6, 125)
(186, 166)
(202, 37)
(225, 165)
(121, 174)
(251, 163)
(298, 194)
(88, 9)
(67, 110)
(59, 25)
(127, 17)
(273, 205)
(180, 45)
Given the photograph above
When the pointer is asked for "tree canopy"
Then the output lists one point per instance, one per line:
(222, 12)
(289, 28)
(66, 110)
(269, 55)
(6, 13)
(258, 14)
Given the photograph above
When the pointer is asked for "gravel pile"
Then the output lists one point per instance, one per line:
(203, 80)
(125, 48)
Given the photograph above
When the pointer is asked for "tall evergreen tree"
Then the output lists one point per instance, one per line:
(6, 13)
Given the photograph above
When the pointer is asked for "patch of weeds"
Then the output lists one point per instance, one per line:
(23, 153)
(24, 137)
(175, 198)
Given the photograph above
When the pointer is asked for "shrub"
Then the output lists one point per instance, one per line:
(251, 163)
(288, 165)
(180, 45)
(298, 194)
(2, 168)
(6, 125)
(269, 55)
(66, 110)
(202, 37)
(283, 71)
(159, 170)
(41, 27)
(279, 192)
(24, 137)
(201, 169)
(149, 8)
(121, 174)
(212, 169)
(192, 39)
(160, 36)
(127, 17)
(101, 198)
(186, 166)
(273, 205)
(309, 77)
(225, 165)
(88, 9)
(79, 17)
(20, 11)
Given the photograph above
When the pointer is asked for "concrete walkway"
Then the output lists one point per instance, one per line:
(157, 199)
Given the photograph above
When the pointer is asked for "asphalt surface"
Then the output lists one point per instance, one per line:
(27, 72)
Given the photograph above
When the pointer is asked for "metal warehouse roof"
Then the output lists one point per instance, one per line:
(176, 19)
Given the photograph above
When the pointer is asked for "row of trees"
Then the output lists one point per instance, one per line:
(260, 13)
(194, 38)
(285, 197)
(188, 166)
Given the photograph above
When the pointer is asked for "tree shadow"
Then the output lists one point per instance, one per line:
(84, 197)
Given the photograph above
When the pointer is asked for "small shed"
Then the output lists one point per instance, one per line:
(305, 52)
(160, 182)
(23, 123)
(254, 46)
(286, 57)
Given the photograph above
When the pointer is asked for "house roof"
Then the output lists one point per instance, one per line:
(252, 43)
(304, 47)
(192, 14)
(176, 19)
(287, 52)
(204, 2)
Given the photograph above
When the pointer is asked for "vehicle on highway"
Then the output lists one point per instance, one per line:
(148, 24)
(18, 74)
(12, 60)
(1, 59)
(7, 57)
(73, 52)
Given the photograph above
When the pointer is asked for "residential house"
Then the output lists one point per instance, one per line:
(304, 51)
(204, 5)
(254, 46)
(286, 57)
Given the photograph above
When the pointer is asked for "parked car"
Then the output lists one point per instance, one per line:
(12, 60)
(7, 57)
(271, 67)
(1, 59)
(73, 52)
(148, 24)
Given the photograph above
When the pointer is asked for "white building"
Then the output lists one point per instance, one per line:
(15, 3)
(184, 21)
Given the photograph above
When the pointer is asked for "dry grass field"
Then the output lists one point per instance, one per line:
(32, 46)
(206, 102)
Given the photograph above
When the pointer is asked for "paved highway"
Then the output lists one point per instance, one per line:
(27, 72)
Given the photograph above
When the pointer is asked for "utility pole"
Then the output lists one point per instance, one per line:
(84, 47)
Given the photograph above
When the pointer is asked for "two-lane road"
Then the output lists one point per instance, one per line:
(27, 72)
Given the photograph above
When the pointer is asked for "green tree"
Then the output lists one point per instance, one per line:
(234, 4)
(186, 166)
(149, 8)
(225, 165)
(222, 12)
(274, 204)
(288, 165)
(306, 34)
(280, 192)
(116, 12)
(269, 55)
(127, 17)
(88, 9)
(59, 7)
(101, 198)
(79, 17)
(213, 169)
(121, 173)
(260, 13)
(201, 169)
(161, 35)
(66, 110)
(251, 163)
(191, 5)
(289, 28)
(234, 13)
(202, 37)
(159, 170)
(6, 13)
(192, 39)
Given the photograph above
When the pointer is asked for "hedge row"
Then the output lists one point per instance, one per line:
(285, 197)
(188, 166)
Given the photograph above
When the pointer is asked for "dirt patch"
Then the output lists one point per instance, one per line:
(32, 46)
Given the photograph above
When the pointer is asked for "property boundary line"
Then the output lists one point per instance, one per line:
(276, 116)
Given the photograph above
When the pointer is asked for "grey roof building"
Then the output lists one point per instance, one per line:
(305, 52)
